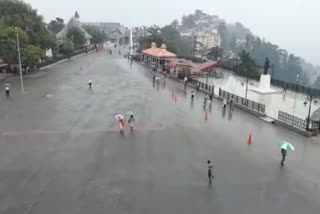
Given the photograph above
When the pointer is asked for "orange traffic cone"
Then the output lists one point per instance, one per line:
(206, 116)
(250, 140)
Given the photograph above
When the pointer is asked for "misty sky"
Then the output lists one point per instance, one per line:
(291, 24)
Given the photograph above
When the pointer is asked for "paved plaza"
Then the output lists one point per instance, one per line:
(61, 151)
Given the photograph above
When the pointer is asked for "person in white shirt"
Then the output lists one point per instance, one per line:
(210, 171)
(224, 103)
(131, 121)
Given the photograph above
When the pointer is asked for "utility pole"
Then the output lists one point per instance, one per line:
(131, 42)
(20, 67)
(311, 99)
(247, 83)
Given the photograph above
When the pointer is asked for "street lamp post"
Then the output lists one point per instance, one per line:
(207, 81)
(20, 67)
(312, 98)
(247, 83)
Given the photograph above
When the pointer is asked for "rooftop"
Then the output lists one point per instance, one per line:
(204, 66)
(159, 52)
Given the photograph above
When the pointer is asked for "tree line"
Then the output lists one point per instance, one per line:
(18, 20)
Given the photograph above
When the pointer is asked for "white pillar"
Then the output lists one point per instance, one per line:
(131, 42)
(20, 67)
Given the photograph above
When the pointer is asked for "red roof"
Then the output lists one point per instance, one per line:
(158, 52)
(204, 66)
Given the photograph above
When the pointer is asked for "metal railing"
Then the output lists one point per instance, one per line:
(202, 85)
(296, 87)
(298, 122)
(242, 101)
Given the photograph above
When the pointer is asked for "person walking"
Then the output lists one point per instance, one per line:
(131, 121)
(165, 74)
(210, 169)
(192, 96)
(90, 84)
(185, 82)
(210, 98)
(285, 90)
(284, 155)
(205, 100)
(224, 105)
(121, 125)
(7, 90)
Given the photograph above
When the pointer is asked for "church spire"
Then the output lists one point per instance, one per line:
(77, 15)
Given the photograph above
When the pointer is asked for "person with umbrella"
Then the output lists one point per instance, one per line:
(7, 89)
(158, 80)
(284, 155)
(90, 83)
(285, 147)
(121, 124)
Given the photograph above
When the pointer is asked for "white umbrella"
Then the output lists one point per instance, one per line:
(7, 85)
(119, 116)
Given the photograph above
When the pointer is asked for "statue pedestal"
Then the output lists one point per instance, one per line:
(264, 86)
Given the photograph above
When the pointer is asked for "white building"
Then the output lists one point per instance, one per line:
(205, 40)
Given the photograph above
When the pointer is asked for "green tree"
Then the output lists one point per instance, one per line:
(98, 36)
(16, 13)
(215, 53)
(32, 54)
(77, 36)
(175, 24)
(222, 31)
(67, 48)
(8, 43)
(56, 25)
(247, 66)
(154, 35)
(188, 21)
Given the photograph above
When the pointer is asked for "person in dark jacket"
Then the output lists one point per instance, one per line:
(211, 97)
(284, 155)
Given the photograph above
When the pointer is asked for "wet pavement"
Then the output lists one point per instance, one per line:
(61, 150)
(289, 102)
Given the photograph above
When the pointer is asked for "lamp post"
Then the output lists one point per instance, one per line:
(207, 80)
(311, 98)
(20, 67)
(247, 83)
